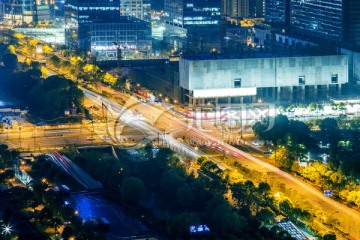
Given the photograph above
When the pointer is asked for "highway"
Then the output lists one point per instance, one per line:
(160, 122)
(41, 138)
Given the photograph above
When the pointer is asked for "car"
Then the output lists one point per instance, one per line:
(90, 138)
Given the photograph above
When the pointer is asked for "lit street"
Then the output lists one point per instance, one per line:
(349, 218)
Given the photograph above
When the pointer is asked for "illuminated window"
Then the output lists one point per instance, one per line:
(301, 80)
(237, 82)
(334, 78)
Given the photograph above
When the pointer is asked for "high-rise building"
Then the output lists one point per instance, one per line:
(236, 8)
(277, 11)
(352, 23)
(193, 24)
(322, 19)
(336, 21)
(18, 12)
(96, 26)
(133, 8)
(59, 8)
(78, 13)
(256, 8)
(44, 10)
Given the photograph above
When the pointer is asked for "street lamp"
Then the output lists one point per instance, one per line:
(34, 136)
(118, 55)
(6, 230)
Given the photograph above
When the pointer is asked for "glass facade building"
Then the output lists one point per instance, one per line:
(18, 12)
(96, 26)
(132, 35)
(277, 11)
(322, 19)
(199, 21)
(237, 8)
(79, 13)
(188, 13)
(352, 23)
(135, 8)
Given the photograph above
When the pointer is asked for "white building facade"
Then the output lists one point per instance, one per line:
(277, 78)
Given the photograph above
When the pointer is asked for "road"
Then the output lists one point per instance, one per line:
(35, 138)
(74, 171)
(160, 122)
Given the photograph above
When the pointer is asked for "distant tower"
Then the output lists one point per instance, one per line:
(189, 21)
(321, 19)
(133, 8)
(256, 8)
(277, 11)
(236, 8)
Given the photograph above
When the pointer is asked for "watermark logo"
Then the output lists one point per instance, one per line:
(154, 122)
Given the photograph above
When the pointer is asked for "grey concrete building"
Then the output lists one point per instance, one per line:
(278, 78)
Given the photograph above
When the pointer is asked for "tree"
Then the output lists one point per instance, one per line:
(148, 149)
(45, 215)
(262, 196)
(33, 42)
(180, 226)
(44, 72)
(170, 181)
(11, 49)
(56, 223)
(19, 36)
(108, 78)
(132, 189)
(67, 233)
(273, 129)
(47, 50)
(55, 61)
(329, 236)
(10, 61)
(286, 206)
(266, 216)
(185, 196)
(329, 130)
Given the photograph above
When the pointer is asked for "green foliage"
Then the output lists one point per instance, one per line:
(55, 61)
(329, 236)
(132, 190)
(181, 199)
(47, 98)
(109, 79)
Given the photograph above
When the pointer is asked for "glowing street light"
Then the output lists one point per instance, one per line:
(6, 229)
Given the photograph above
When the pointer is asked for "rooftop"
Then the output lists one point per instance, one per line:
(251, 55)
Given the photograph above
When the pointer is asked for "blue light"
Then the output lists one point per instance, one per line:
(202, 228)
